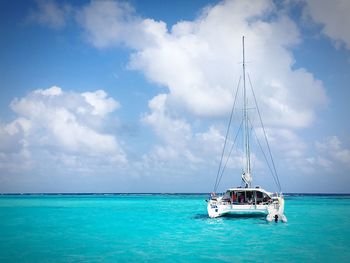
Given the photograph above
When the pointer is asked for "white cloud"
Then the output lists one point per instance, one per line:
(11, 135)
(175, 133)
(100, 103)
(323, 162)
(334, 16)
(49, 13)
(108, 22)
(285, 141)
(171, 130)
(198, 62)
(53, 91)
(325, 158)
(181, 147)
(333, 150)
(51, 121)
(14, 156)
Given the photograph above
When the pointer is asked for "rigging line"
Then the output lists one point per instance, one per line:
(263, 127)
(227, 132)
(228, 157)
(263, 152)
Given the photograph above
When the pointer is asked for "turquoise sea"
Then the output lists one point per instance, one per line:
(168, 228)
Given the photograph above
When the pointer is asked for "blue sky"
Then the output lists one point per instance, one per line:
(134, 96)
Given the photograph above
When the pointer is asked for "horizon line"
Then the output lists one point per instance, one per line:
(155, 193)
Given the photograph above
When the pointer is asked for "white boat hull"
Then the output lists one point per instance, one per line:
(217, 210)
(274, 210)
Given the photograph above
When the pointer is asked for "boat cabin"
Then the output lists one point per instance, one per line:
(247, 196)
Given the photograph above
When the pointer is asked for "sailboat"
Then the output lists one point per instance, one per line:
(246, 199)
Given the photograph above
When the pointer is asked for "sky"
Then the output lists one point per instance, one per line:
(135, 96)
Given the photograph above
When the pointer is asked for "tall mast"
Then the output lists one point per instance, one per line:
(246, 128)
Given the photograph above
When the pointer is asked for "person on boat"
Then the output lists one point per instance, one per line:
(241, 198)
(234, 198)
(249, 198)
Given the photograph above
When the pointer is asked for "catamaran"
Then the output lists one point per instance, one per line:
(246, 199)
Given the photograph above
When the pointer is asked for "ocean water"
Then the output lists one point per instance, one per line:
(168, 228)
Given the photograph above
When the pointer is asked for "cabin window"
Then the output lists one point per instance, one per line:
(226, 197)
(249, 197)
(262, 197)
(259, 195)
(240, 197)
(266, 198)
